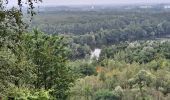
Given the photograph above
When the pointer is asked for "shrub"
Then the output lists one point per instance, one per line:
(26, 94)
(106, 95)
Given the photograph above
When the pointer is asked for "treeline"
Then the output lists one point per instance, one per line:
(84, 22)
(138, 51)
(86, 30)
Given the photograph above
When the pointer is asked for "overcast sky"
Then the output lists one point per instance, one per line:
(93, 2)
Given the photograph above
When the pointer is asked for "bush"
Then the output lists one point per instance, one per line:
(106, 95)
(87, 69)
(26, 94)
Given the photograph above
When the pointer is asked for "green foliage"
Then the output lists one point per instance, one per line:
(42, 65)
(138, 82)
(34, 65)
(27, 94)
(106, 94)
(32, 60)
(49, 55)
(83, 68)
(87, 69)
(138, 51)
(85, 88)
(15, 68)
(104, 28)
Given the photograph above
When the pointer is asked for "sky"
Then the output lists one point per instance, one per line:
(94, 2)
(86, 2)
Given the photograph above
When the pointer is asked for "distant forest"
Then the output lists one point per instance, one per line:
(86, 30)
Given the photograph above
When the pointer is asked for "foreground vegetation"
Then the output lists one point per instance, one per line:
(33, 66)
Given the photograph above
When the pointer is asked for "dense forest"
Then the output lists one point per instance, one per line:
(51, 54)
(86, 30)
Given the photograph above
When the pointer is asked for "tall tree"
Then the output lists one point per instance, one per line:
(49, 55)
(31, 60)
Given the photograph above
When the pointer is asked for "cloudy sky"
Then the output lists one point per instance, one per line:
(67, 2)
(93, 2)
